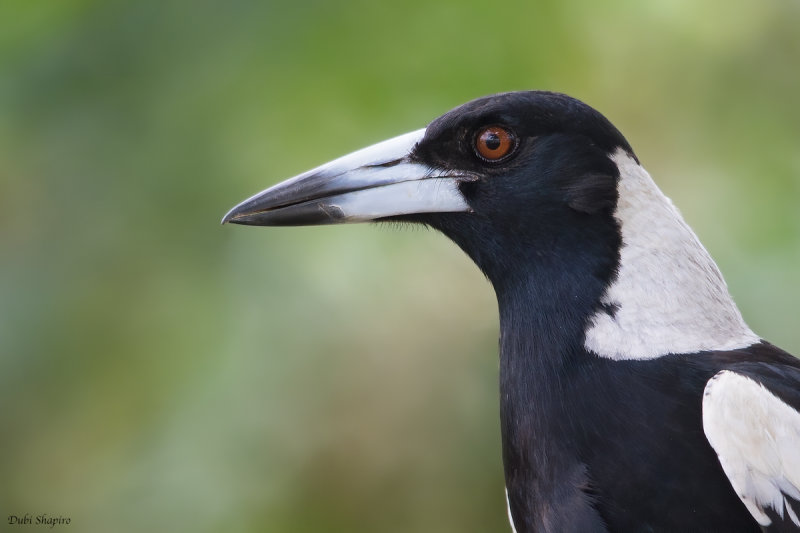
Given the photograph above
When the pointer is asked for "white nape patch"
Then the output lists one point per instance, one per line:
(669, 294)
(757, 439)
(510, 518)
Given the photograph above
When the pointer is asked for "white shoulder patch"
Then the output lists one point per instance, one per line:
(669, 295)
(757, 439)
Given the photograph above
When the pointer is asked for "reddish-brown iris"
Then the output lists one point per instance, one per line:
(494, 143)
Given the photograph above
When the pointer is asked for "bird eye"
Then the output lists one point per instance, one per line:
(494, 143)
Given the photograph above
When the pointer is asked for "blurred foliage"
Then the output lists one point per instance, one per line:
(159, 372)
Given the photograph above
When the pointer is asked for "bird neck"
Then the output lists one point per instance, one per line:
(541, 335)
(543, 321)
(544, 310)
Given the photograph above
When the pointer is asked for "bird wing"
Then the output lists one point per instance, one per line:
(751, 417)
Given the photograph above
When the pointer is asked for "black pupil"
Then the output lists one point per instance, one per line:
(492, 141)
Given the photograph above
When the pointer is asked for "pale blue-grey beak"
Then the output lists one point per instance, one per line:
(376, 182)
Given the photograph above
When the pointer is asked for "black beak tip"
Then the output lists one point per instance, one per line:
(244, 212)
(232, 215)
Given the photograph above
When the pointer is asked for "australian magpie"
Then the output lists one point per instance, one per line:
(633, 396)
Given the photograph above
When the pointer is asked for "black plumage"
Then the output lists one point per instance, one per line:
(611, 397)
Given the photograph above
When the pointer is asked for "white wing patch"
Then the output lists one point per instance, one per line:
(757, 439)
(669, 294)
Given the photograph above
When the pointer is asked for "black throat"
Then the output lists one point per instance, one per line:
(549, 282)
(543, 317)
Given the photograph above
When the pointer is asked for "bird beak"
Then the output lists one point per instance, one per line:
(376, 182)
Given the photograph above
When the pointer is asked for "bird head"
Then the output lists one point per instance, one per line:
(506, 177)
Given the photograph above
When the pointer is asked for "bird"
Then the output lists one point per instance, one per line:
(633, 395)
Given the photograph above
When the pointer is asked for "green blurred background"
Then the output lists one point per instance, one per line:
(159, 372)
